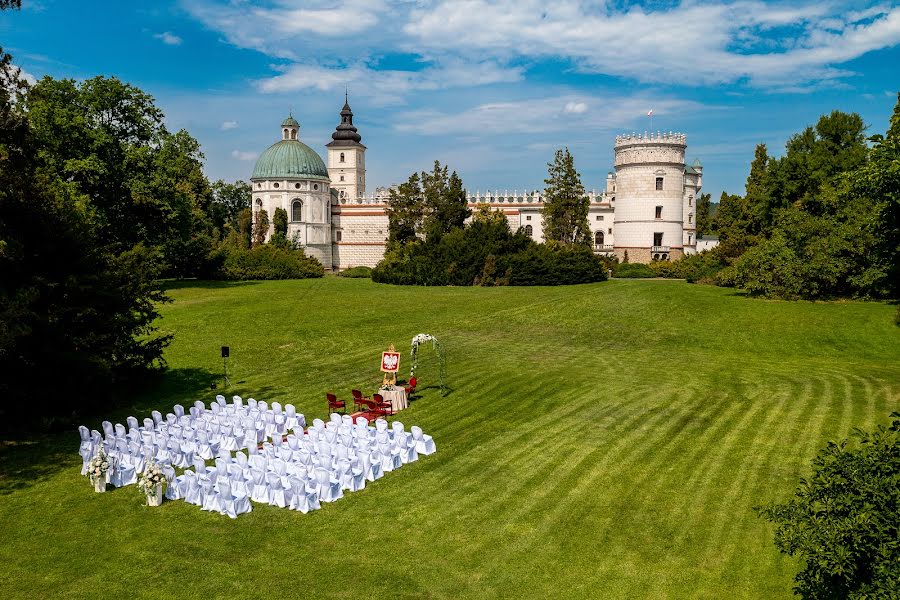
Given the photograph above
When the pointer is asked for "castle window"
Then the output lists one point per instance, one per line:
(293, 134)
(659, 183)
(315, 186)
(342, 157)
(598, 239)
(342, 177)
(258, 185)
(258, 203)
(528, 218)
(275, 185)
(657, 239)
(337, 235)
(528, 230)
(296, 210)
(285, 134)
(297, 186)
(689, 239)
(659, 211)
(691, 218)
(599, 217)
(610, 230)
(690, 200)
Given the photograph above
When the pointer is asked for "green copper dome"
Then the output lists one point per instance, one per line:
(289, 159)
(290, 122)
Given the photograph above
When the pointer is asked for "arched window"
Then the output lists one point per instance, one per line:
(285, 134)
(598, 238)
(342, 157)
(293, 134)
(296, 210)
(528, 230)
(258, 203)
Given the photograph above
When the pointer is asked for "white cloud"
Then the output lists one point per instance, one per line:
(388, 86)
(239, 155)
(575, 108)
(541, 115)
(229, 125)
(168, 38)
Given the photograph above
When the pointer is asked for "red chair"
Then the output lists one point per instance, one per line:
(335, 405)
(411, 388)
(385, 408)
(359, 401)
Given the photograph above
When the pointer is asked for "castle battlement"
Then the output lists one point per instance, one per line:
(644, 139)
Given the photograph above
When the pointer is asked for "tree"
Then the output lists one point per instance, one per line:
(704, 219)
(444, 201)
(260, 227)
(405, 212)
(145, 184)
(757, 191)
(565, 203)
(734, 224)
(280, 223)
(843, 520)
(228, 200)
(76, 308)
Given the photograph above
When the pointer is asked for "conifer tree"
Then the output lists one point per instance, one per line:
(704, 220)
(565, 203)
(260, 227)
(405, 211)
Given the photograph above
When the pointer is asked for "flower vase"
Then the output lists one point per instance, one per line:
(157, 499)
(99, 484)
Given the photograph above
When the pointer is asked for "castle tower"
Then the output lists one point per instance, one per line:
(347, 158)
(650, 196)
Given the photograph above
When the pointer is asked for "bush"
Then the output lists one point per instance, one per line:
(692, 267)
(843, 520)
(633, 271)
(263, 262)
(486, 252)
(357, 272)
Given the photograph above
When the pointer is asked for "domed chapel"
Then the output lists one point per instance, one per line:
(649, 200)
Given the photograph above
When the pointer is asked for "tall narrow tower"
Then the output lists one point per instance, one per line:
(347, 158)
(650, 196)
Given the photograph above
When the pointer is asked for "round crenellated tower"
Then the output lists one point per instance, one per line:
(650, 196)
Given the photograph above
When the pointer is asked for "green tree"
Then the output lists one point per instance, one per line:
(146, 185)
(704, 219)
(843, 520)
(229, 199)
(444, 201)
(260, 227)
(734, 224)
(76, 307)
(406, 212)
(565, 203)
(757, 194)
(280, 224)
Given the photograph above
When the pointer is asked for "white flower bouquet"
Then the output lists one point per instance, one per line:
(99, 466)
(151, 480)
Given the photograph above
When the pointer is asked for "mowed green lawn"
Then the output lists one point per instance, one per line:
(599, 441)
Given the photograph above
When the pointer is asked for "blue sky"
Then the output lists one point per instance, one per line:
(491, 88)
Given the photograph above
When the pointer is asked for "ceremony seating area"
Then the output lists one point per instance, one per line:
(261, 453)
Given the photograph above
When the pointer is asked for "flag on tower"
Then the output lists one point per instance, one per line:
(650, 113)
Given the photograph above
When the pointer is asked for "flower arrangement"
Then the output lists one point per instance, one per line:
(424, 338)
(99, 466)
(150, 480)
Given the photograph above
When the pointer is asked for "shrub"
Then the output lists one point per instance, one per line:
(843, 520)
(633, 271)
(263, 262)
(486, 252)
(357, 272)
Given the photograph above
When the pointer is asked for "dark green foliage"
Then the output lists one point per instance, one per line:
(228, 201)
(444, 199)
(704, 217)
(844, 520)
(77, 300)
(735, 225)
(565, 203)
(701, 267)
(357, 272)
(260, 227)
(405, 212)
(486, 252)
(280, 225)
(262, 262)
(633, 271)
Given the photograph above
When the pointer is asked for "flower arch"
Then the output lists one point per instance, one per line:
(424, 338)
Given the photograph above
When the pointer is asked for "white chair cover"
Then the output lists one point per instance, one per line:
(329, 488)
(260, 492)
(424, 443)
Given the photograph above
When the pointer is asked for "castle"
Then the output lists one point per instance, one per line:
(647, 211)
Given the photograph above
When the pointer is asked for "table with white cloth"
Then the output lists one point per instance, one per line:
(396, 396)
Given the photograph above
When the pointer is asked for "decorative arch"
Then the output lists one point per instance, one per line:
(529, 230)
(424, 338)
(297, 210)
(598, 238)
